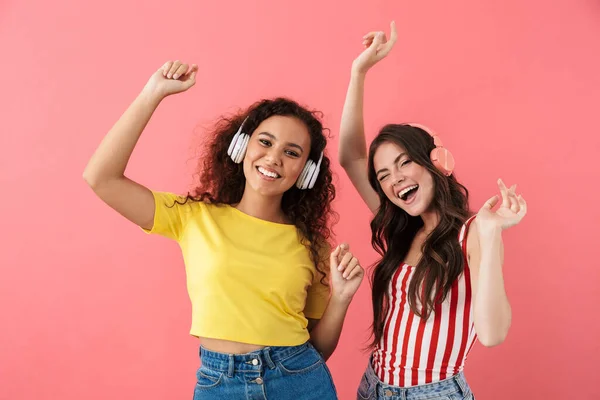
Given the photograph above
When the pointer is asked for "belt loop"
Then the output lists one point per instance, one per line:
(231, 367)
(267, 357)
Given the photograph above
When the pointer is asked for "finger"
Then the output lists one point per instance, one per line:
(351, 264)
(504, 192)
(389, 44)
(522, 205)
(189, 80)
(358, 271)
(370, 35)
(345, 261)
(190, 75)
(333, 258)
(166, 67)
(513, 189)
(344, 248)
(173, 68)
(393, 33)
(182, 70)
(490, 203)
(194, 68)
(376, 43)
(385, 49)
(514, 203)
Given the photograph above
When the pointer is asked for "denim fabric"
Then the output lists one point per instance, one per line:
(273, 373)
(453, 388)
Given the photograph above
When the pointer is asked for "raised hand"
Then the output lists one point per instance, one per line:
(173, 77)
(377, 47)
(346, 273)
(510, 213)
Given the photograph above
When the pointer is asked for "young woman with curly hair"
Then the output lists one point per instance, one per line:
(254, 236)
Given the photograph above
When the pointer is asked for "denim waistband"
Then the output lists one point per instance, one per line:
(249, 362)
(453, 384)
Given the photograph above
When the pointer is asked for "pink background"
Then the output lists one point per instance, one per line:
(92, 308)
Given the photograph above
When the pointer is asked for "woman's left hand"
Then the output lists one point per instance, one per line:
(511, 211)
(346, 273)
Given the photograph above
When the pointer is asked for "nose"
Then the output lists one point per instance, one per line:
(397, 176)
(273, 156)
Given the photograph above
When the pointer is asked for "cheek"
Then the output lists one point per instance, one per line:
(253, 152)
(387, 188)
(294, 168)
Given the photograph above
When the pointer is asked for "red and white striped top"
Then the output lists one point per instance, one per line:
(413, 351)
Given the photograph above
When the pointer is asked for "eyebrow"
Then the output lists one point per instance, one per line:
(287, 144)
(395, 162)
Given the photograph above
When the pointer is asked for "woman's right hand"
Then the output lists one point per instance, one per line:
(173, 77)
(377, 47)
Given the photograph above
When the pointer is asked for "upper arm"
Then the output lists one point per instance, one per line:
(130, 199)
(317, 294)
(358, 173)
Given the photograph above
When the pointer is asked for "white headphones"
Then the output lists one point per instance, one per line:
(237, 151)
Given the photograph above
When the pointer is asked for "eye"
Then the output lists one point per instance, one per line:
(292, 153)
(383, 178)
(403, 163)
(265, 142)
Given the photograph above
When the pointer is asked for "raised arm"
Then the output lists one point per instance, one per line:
(105, 171)
(353, 146)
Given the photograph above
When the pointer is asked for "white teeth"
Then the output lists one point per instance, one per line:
(267, 173)
(406, 190)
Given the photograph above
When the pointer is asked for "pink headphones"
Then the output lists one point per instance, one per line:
(440, 156)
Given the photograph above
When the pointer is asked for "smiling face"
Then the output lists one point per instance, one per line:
(405, 183)
(277, 152)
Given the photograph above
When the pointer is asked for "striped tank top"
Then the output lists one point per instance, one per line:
(414, 351)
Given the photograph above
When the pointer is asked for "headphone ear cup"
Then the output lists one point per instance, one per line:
(239, 143)
(316, 172)
(243, 148)
(232, 147)
(312, 178)
(443, 160)
(236, 149)
(301, 182)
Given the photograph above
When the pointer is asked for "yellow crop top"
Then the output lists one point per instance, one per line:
(249, 280)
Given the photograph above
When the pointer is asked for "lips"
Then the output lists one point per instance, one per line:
(267, 173)
(407, 192)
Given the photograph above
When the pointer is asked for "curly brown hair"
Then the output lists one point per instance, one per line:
(221, 181)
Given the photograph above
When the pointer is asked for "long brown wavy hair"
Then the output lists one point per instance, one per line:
(393, 231)
(221, 181)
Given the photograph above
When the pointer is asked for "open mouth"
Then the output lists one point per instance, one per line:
(266, 173)
(408, 193)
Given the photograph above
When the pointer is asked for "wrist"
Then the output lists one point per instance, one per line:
(340, 301)
(489, 234)
(152, 95)
(357, 73)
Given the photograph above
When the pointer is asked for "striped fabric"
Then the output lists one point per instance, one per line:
(414, 351)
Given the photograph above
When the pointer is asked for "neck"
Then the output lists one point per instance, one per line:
(262, 207)
(430, 220)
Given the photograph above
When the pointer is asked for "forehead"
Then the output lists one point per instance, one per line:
(386, 154)
(286, 129)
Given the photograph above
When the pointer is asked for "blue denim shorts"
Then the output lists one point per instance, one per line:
(280, 373)
(453, 388)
